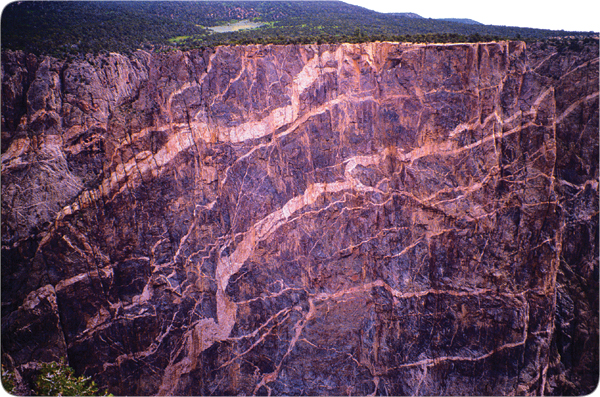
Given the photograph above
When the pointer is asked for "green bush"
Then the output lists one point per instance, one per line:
(8, 380)
(58, 379)
(55, 379)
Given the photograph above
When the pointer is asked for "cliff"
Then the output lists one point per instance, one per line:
(338, 219)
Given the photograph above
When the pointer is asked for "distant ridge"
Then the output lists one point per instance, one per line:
(466, 21)
(405, 14)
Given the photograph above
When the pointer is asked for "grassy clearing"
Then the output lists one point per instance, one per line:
(236, 26)
(179, 39)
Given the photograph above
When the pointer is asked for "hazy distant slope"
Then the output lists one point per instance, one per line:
(462, 20)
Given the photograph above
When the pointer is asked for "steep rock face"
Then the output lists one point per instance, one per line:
(339, 219)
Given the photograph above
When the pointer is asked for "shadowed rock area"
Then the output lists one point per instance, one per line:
(368, 219)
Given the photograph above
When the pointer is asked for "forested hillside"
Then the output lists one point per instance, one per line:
(63, 28)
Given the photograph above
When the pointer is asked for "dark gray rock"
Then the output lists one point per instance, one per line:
(340, 219)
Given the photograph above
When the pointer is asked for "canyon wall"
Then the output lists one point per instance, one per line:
(360, 219)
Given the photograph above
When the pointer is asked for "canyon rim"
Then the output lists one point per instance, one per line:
(367, 219)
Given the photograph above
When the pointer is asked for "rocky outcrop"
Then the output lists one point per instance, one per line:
(339, 219)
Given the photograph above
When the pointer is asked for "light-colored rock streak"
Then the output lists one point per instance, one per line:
(12, 156)
(574, 106)
(128, 175)
(297, 122)
(206, 332)
(442, 359)
(283, 313)
(228, 266)
(584, 65)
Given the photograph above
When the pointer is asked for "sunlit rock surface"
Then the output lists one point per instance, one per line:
(338, 219)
